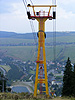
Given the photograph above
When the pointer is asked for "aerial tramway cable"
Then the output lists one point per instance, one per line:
(31, 2)
(31, 22)
(54, 31)
(25, 3)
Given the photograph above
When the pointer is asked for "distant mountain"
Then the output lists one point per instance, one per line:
(4, 34)
(59, 34)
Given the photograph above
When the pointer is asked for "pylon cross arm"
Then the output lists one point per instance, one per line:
(41, 80)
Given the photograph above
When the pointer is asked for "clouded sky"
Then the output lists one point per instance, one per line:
(13, 16)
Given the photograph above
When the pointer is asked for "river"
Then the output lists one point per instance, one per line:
(19, 89)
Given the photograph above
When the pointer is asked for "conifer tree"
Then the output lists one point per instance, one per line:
(67, 79)
(73, 82)
(2, 78)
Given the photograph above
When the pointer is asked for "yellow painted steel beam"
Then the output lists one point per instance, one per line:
(36, 81)
(41, 80)
(41, 5)
(37, 70)
(49, 11)
(41, 44)
(34, 11)
(44, 91)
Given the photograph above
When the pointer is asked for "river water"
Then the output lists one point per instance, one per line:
(19, 89)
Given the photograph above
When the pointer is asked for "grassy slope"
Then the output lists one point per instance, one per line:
(20, 52)
(15, 41)
(28, 52)
(50, 39)
(62, 53)
(62, 39)
(7, 68)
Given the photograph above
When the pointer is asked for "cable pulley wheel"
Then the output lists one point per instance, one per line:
(41, 31)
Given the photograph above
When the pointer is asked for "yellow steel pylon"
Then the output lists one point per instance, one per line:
(41, 18)
(41, 44)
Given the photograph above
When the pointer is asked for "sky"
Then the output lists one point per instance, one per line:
(13, 17)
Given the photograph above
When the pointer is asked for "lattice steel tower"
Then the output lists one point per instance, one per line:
(41, 69)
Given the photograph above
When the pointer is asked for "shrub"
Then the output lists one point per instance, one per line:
(0, 97)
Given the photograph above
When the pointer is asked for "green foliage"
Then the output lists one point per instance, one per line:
(7, 68)
(58, 77)
(14, 73)
(9, 89)
(2, 80)
(16, 97)
(58, 91)
(73, 82)
(0, 85)
(68, 80)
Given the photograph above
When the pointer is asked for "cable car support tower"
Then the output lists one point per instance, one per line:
(41, 69)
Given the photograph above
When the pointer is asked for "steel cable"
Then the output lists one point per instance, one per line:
(31, 23)
(54, 34)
